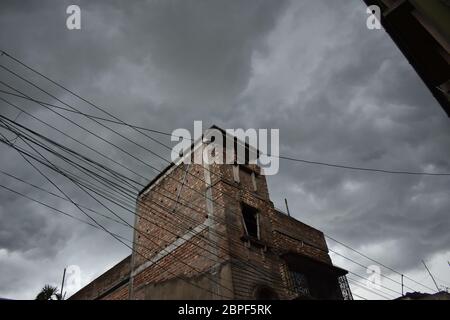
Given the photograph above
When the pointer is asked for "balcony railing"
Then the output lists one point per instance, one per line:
(345, 288)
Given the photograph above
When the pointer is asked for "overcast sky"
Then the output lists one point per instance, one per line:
(337, 91)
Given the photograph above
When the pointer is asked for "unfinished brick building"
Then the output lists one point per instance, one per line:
(209, 231)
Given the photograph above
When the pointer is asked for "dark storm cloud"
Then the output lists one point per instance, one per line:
(158, 59)
(351, 98)
(337, 91)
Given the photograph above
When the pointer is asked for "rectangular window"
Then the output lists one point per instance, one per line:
(250, 216)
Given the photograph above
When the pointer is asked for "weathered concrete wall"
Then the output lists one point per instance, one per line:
(198, 287)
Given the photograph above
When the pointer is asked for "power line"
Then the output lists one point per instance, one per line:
(83, 144)
(65, 159)
(408, 277)
(58, 196)
(47, 150)
(134, 228)
(44, 91)
(431, 275)
(90, 224)
(102, 227)
(365, 168)
(361, 168)
(413, 280)
(35, 150)
(361, 297)
(366, 267)
(68, 136)
(72, 164)
(50, 207)
(16, 132)
(140, 160)
(91, 116)
(60, 211)
(365, 287)
(66, 104)
(380, 285)
(123, 207)
(290, 158)
(373, 260)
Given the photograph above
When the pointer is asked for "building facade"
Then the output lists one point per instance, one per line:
(210, 231)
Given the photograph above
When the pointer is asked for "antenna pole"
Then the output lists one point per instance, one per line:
(62, 284)
(431, 275)
(287, 207)
(402, 286)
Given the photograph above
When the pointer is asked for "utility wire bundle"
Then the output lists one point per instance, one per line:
(113, 185)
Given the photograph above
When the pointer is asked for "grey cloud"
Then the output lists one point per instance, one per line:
(337, 91)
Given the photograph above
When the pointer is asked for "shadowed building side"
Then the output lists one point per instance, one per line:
(421, 30)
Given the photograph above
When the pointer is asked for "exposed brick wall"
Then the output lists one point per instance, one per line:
(108, 280)
(220, 251)
(292, 235)
(188, 260)
(158, 225)
(165, 227)
(120, 293)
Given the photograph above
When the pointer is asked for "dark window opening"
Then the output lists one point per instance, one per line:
(250, 216)
(265, 293)
(308, 278)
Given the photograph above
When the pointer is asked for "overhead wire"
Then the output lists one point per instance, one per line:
(298, 159)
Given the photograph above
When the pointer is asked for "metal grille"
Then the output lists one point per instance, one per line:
(300, 283)
(345, 288)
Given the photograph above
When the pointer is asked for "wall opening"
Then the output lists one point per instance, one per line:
(250, 216)
(265, 293)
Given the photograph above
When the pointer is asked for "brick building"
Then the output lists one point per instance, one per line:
(209, 231)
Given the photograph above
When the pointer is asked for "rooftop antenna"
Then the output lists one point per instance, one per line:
(287, 207)
(402, 286)
(62, 284)
(431, 276)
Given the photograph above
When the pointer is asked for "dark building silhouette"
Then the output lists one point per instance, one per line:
(442, 295)
(421, 30)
